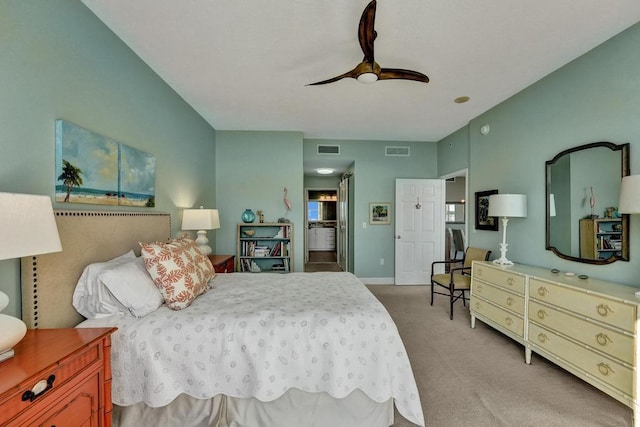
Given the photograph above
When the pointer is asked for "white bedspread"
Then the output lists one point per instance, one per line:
(259, 335)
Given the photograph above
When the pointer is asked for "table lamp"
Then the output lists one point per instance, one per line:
(630, 195)
(201, 220)
(27, 227)
(506, 206)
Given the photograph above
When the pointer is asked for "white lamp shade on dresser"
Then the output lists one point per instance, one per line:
(508, 205)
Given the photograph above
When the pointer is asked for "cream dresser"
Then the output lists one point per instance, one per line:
(586, 326)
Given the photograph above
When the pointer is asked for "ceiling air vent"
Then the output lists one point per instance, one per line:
(397, 151)
(328, 149)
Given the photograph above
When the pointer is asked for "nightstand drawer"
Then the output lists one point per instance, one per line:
(49, 382)
(503, 278)
(78, 407)
(54, 374)
(596, 307)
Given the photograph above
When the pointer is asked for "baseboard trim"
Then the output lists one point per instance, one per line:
(377, 280)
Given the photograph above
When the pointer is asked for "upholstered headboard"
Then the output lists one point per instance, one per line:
(48, 281)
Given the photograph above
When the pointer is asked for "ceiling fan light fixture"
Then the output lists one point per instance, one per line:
(367, 77)
(324, 171)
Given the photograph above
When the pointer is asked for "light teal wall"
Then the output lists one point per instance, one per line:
(374, 181)
(252, 169)
(594, 98)
(57, 60)
(453, 152)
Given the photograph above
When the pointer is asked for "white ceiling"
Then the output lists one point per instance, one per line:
(245, 64)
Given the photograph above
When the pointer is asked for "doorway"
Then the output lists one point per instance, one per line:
(456, 214)
(321, 225)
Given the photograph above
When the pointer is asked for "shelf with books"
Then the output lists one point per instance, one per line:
(265, 247)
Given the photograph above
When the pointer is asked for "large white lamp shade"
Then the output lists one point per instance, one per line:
(630, 195)
(27, 227)
(506, 206)
(201, 220)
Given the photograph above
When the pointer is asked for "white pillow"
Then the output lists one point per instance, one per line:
(90, 297)
(132, 286)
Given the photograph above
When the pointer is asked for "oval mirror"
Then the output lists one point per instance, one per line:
(582, 192)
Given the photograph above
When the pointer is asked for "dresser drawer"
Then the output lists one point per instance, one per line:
(66, 370)
(595, 336)
(595, 365)
(499, 296)
(596, 307)
(499, 316)
(503, 278)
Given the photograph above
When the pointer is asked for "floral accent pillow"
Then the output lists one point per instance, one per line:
(179, 269)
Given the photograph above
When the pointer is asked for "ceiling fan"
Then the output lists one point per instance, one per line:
(368, 71)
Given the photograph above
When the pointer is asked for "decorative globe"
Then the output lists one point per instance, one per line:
(248, 216)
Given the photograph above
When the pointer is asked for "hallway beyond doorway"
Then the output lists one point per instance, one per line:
(322, 261)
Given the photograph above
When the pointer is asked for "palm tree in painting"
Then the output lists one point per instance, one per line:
(70, 177)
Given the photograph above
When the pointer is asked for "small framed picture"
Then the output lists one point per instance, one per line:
(483, 220)
(379, 213)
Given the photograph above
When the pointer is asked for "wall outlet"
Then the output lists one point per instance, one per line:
(364, 225)
(381, 261)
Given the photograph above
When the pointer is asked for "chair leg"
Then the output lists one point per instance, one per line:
(451, 301)
(464, 298)
(432, 285)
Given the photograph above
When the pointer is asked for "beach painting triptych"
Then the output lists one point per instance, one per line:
(95, 169)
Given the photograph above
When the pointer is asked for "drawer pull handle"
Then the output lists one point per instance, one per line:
(479, 288)
(479, 271)
(603, 339)
(38, 389)
(542, 314)
(510, 281)
(509, 301)
(542, 291)
(605, 369)
(508, 321)
(604, 310)
(542, 337)
(477, 305)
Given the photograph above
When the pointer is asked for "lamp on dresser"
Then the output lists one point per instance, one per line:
(201, 220)
(630, 195)
(27, 227)
(506, 206)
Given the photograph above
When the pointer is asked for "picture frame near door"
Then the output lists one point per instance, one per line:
(379, 213)
(483, 220)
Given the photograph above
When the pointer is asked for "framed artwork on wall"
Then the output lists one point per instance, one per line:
(379, 213)
(94, 169)
(483, 220)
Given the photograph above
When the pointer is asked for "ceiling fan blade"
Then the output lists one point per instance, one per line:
(397, 73)
(352, 74)
(366, 32)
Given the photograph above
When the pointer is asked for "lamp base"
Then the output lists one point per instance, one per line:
(503, 255)
(7, 355)
(202, 242)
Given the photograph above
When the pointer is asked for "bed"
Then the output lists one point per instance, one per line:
(297, 349)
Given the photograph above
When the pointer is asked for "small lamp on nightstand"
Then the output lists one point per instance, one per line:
(27, 227)
(201, 220)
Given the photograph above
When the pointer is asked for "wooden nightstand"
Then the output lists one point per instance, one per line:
(58, 377)
(223, 263)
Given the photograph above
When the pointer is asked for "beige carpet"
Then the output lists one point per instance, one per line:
(477, 377)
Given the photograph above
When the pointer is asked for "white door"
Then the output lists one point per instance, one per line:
(419, 207)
